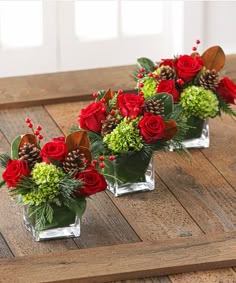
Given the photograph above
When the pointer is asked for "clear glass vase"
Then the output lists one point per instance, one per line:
(198, 135)
(65, 224)
(124, 177)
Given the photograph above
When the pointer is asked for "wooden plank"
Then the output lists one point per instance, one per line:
(222, 150)
(62, 87)
(4, 249)
(102, 223)
(127, 261)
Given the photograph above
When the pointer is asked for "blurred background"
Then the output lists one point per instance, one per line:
(43, 36)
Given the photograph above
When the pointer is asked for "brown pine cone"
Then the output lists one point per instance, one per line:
(209, 79)
(155, 107)
(30, 153)
(108, 125)
(75, 160)
(167, 73)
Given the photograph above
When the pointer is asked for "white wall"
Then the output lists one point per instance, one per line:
(213, 22)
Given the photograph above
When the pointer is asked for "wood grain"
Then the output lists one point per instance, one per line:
(130, 261)
(4, 249)
(103, 224)
(62, 87)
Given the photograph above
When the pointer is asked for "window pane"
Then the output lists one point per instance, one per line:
(141, 17)
(96, 20)
(21, 23)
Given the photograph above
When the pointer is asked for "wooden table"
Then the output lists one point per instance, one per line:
(186, 225)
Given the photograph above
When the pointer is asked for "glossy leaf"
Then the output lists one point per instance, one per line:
(214, 58)
(146, 63)
(77, 139)
(15, 147)
(170, 130)
(108, 95)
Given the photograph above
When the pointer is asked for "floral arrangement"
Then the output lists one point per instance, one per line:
(126, 128)
(58, 176)
(194, 81)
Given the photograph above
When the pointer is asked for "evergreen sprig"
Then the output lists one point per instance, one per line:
(112, 102)
(24, 186)
(4, 157)
(225, 107)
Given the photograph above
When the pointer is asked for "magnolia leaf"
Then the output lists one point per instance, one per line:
(146, 63)
(108, 95)
(28, 138)
(171, 129)
(87, 153)
(77, 139)
(15, 147)
(214, 58)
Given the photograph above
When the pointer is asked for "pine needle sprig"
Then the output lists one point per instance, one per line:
(68, 186)
(225, 107)
(113, 102)
(24, 186)
(4, 157)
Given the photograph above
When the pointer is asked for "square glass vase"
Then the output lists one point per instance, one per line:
(198, 135)
(65, 224)
(122, 180)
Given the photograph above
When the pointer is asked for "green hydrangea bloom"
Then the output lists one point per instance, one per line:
(125, 137)
(47, 178)
(199, 102)
(149, 88)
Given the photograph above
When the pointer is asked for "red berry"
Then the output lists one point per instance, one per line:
(30, 125)
(40, 137)
(194, 48)
(94, 161)
(140, 76)
(27, 120)
(102, 158)
(39, 128)
(120, 91)
(150, 74)
(141, 85)
(36, 133)
(141, 93)
(101, 165)
(95, 94)
(155, 67)
(142, 70)
(180, 81)
(155, 76)
(113, 112)
(102, 100)
(198, 41)
(112, 157)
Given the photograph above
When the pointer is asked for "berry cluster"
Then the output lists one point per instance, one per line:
(35, 132)
(101, 161)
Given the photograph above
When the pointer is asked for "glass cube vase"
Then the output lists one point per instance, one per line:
(123, 176)
(198, 135)
(65, 224)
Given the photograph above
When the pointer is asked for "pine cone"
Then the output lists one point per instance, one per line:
(209, 79)
(75, 160)
(108, 125)
(155, 107)
(30, 153)
(167, 73)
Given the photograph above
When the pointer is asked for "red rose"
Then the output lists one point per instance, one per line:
(227, 90)
(90, 117)
(59, 139)
(152, 127)
(15, 170)
(130, 105)
(169, 87)
(54, 150)
(188, 67)
(94, 182)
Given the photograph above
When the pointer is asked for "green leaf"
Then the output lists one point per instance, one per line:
(15, 147)
(146, 63)
(2, 182)
(100, 93)
(78, 206)
(4, 157)
(75, 128)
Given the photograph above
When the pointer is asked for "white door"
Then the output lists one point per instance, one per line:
(28, 37)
